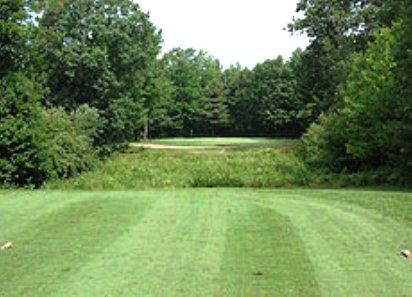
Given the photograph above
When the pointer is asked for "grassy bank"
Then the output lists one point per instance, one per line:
(206, 242)
(214, 162)
(148, 168)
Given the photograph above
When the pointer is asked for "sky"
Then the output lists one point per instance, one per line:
(234, 31)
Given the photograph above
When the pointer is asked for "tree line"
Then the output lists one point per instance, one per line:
(81, 79)
(356, 76)
(199, 98)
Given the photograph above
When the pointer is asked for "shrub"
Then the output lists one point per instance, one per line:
(87, 121)
(23, 134)
(323, 145)
(70, 151)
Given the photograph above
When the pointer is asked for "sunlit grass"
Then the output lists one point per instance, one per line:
(206, 242)
(150, 168)
(227, 141)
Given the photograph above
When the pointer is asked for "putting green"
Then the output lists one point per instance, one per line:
(206, 242)
(226, 142)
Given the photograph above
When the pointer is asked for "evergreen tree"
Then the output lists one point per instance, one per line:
(212, 114)
(24, 140)
(23, 135)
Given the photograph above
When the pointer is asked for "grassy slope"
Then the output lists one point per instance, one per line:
(270, 163)
(206, 242)
(147, 168)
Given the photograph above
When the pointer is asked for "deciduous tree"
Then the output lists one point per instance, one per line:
(101, 53)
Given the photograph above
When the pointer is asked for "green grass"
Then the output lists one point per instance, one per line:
(246, 142)
(152, 168)
(207, 166)
(206, 242)
(177, 241)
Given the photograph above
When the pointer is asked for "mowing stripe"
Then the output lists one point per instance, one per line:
(354, 251)
(204, 242)
(22, 209)
(59, 242)
(264, 256)
(174, 250)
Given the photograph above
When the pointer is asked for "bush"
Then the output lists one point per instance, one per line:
(70, 151)
(323, 145)
(87, 121)
(23, 134)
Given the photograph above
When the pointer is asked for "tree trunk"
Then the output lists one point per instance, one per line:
(146, 129)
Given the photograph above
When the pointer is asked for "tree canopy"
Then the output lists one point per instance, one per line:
(81, 79)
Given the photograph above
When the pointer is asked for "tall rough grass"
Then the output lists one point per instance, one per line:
(145, 168)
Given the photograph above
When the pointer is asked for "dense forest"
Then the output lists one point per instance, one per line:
(81, 79)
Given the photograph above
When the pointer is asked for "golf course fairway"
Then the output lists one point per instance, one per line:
(206, 242)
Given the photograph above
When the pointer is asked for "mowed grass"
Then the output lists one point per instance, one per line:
(234, 142)
(206, 242)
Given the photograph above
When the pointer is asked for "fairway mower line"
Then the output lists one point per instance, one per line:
(264, 256)
(353, 250)
(37, 204)
(56, 245)
(174, 249)
(206, 242)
